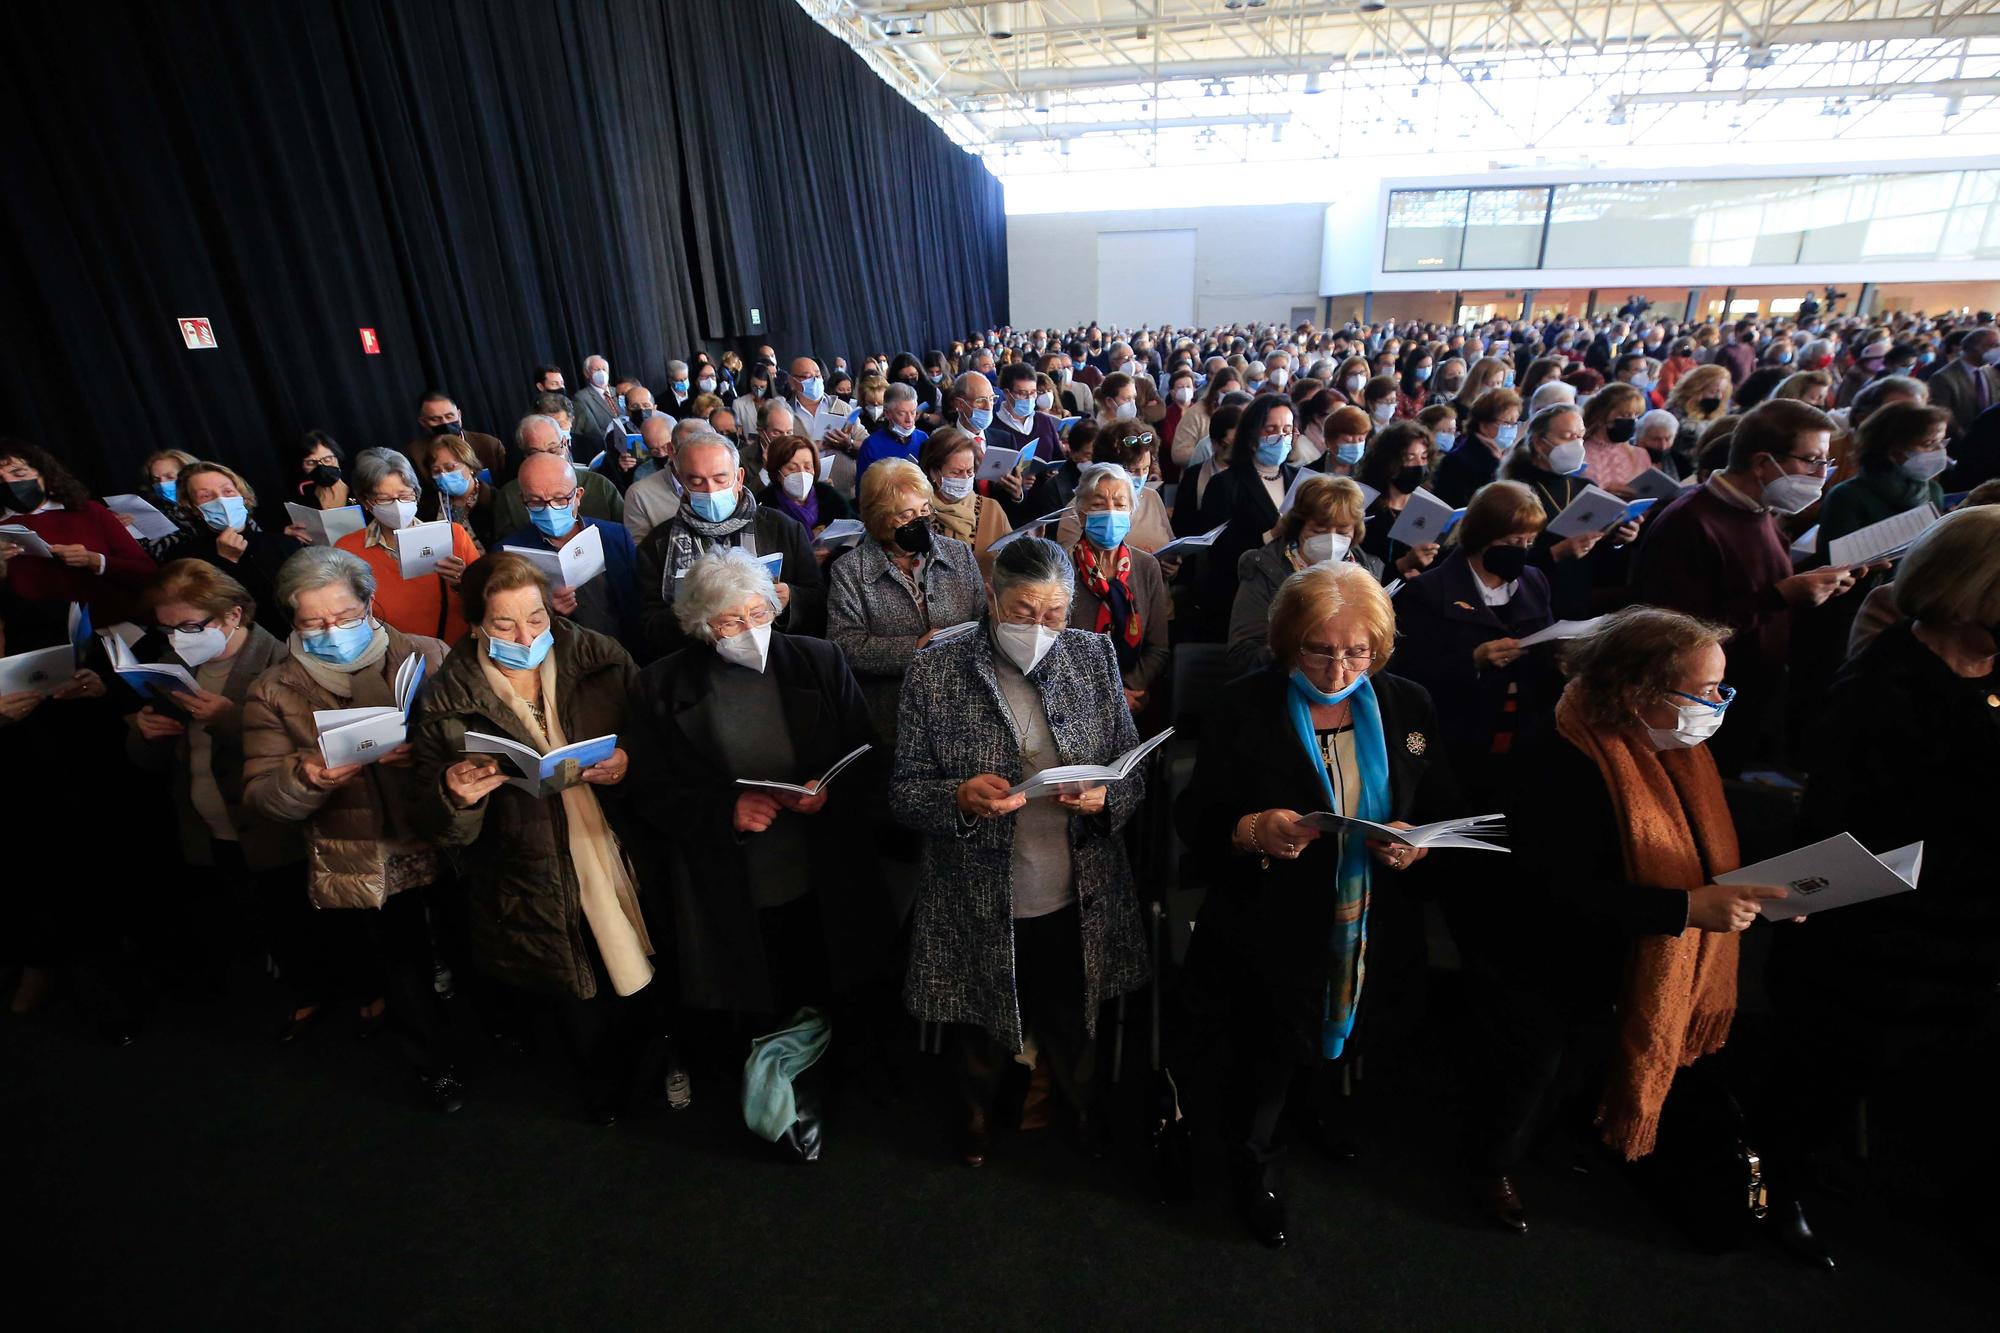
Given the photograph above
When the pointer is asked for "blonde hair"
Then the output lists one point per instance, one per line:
(1313, 596)
(1952, 574)
(181, 456)
(1328, 502)
(882, 486)
(198, 584)
(1701, 382)
(186, 492)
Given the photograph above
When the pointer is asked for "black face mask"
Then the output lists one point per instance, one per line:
(324, 475)
(1506, 562)
(915, 536)
(1408, 479)
(1621, 429)
(25, 497)
(1709, 404)
(639, 414)
(452, 428)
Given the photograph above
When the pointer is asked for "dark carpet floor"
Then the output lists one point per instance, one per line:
(205, 1178)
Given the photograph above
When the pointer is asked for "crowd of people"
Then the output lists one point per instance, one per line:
(839, 626)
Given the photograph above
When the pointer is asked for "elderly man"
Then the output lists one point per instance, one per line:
(657, 497)
(1970, 384)
(896, 434)
(718, 510)
(551, 491)
(438, 415)
(822, 420)
(543, 435)
(618, 458)
(680, 392)
(596, 403)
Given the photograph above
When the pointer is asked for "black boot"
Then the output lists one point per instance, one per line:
(1258, 1202)
(1798, 1237)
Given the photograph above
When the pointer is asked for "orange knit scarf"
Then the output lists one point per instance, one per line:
(1680, 990)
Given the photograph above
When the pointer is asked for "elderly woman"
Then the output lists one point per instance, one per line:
(1610, 423)
(779, 906)
(1120, 591)
(1134, 449)
(1617, 844)
(792, 463)
(385, 485)
(1276, 959)
(950, 461)
(893, 591)
(1323, 527)
(1550, 462)
(225, 533)
(250, 867)
(462, 488)
(362, 848)
(1655, 434)
(159, 486)
(554, 904)
(1397, 463)
(1026, 922)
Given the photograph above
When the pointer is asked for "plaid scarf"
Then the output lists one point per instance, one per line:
(1114, 599)
(690, 537)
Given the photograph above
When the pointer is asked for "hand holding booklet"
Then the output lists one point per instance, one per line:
(1424, 521)
(1187, 544)
(364, 735)
(577, 562)
(542, 774)
(1465, 834)
(841, 532)
(146, 523)
(1879, 541)
(421, 547)
(1594, 510)
(1834, 872)
(43, 671)
(814, 786)
(152, 680)
(1562, 629)
(1072, 779)
(326, 526)
(998, 462)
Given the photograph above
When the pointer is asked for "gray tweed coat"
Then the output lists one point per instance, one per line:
(953, 725)
(871, 615)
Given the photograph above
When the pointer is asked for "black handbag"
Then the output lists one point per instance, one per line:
(1704, 1172)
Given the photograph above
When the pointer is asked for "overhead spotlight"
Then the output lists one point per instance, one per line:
(1953, 105)
(1232, 5)
(1759, 57)
(1372, 6)
(1257, 4)
(1041, 104)
(1313, 88)
(1000, 22)
(1278, 132)
(1617, 116)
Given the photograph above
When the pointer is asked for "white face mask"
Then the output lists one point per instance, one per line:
(1791, 492)
(1926, 463)
(798, 485)
(1045, 401)
(1566, 457)
(748, 649)
(1127, 410)
(1183, 396)
(600, 378)
(1354, 383)
(955, 488)
(1384, 410)
(204, 645)
(1697, 723)
(1279, 377)
(395, 515)
(1324, 548)
(1025, 645)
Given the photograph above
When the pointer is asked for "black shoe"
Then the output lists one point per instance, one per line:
(444, 1093)
(1798, 1237)
(1173, 1161)
(972, 1140)
(1262, 1211)
(1502, 1202)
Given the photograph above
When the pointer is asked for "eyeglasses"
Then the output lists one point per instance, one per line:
(1359, 657)
(1725, 695)
(320, 626)
(190, 626)
(536, 506)
(1813, 463)
(728, 627)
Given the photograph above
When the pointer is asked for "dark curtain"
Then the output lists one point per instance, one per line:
(486, 185)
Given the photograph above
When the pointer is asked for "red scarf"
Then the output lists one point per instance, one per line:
(1114, 599)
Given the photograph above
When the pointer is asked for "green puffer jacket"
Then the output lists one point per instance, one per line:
(527, 921)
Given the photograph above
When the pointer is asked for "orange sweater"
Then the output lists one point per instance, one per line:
(413, 605)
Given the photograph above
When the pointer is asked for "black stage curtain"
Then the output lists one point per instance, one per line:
(487, 184)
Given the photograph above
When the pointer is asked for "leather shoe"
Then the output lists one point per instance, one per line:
(444, 1093)
(1502, 1202)
(972, 1142)
(1798, 1237)
(1263, 1212)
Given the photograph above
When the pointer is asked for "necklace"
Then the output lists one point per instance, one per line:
(1031, 755)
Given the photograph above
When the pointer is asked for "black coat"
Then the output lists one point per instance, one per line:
(680, 785)
(1440, 619)
(256, 570)
(1236, 496)
(1261, 942)
(1463, 471)
(773, 532)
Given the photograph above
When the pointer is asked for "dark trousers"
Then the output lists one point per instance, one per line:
(367, 954)
(1534, 1052)
(1048, 986)
(795, 955)
(608, 1035)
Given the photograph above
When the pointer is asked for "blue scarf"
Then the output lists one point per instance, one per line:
(1347, 951)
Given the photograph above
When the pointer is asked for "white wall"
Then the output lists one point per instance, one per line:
(1255, 263)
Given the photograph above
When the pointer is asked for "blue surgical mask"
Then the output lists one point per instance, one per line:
(1446, 441)
(1107, 528)
(339, 646)
(681, 388)
(520, 656)
(1314, 694)
(1023, 408)
(1273, 450)
(712, 506)
(1507, 380)
(1422, 374)
(227, 511)
(981, 418)
(1350, 454)
(553, 522)
(810, 388)
(1505, 434)
(453, 483)
(169, 490)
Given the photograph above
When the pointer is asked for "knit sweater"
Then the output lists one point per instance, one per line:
(1710, 558)
(112, 595)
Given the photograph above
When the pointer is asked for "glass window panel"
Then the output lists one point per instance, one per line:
(1503, 228)
(1426, 230)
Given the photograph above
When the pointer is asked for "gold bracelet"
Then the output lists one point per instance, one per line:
(1257, 843)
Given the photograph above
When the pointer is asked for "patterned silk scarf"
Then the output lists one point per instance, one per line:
(1115, 604)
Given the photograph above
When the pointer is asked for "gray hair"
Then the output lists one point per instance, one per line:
(372, 467)
(1028, 561)
(534, 419)
(898, 392)
(1657, 417)
(727, 576)
(687, 428)
(677, 370)
(710, 436)
(1552, 394)
(322, 567)
(1095, 476)
(765, 410)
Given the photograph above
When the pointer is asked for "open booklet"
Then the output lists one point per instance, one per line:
(363, 735)
(1594, 510)
(1070, 779)
(137, 514)
(43, 671)
(324, 527)
(152, 680)
(1031, 527)
(950, 632)
(819, 784)
(25, 540)
(1879, 541)
(580, 559)
(1653, 484)
(1834, 872)
(997, 462)
(1425, 519)
(538, 774)
(1195, 542)
(841, 532)
(422, 546)
(1562, 629)
(1459, 833)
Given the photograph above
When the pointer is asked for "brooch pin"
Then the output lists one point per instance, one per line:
(1415, 742)
(1463, 606)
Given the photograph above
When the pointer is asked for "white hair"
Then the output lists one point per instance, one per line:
(1095, 476)
(727, 576)
(1552, 394)
(1659, 416)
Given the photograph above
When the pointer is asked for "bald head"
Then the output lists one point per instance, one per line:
(804, 368)
(659, 437)
(545, 478)
(970, 392)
